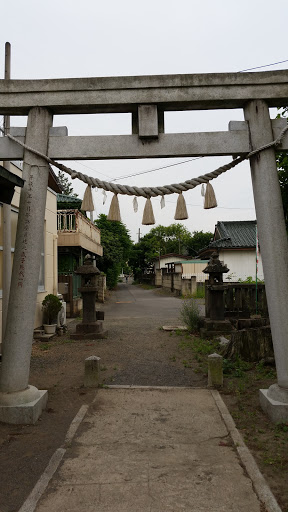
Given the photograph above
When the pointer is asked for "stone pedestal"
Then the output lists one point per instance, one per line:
(89, 331)
(213, 328)
(215, 371)
(92, 369)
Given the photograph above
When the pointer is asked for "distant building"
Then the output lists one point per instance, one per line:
(235, 241)
(166, 261)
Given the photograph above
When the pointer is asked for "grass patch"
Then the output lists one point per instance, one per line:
(200, 293)
(44, 346)
(63, 341)
(145, 286)
(195, 351)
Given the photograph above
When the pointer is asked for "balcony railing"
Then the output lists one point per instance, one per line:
(74, 229)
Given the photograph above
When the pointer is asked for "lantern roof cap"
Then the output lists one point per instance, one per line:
(88, 268)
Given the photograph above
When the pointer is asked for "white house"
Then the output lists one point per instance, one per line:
(235, 241)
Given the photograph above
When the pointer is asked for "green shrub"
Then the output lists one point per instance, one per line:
(51, 306)
(189, 313)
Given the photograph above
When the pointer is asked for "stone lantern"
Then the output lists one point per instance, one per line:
(90, 328)
(215, 322)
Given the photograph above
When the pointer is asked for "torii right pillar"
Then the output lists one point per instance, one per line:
(274, 252)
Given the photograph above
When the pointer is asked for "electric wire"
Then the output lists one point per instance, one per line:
(264, 66)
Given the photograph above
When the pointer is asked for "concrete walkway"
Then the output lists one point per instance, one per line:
(151, 450)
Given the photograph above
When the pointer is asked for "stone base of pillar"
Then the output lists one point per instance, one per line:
(89, 331)
(213, 328)
(275, 410)
(24, 413)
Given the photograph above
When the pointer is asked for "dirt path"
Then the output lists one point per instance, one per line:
(137, 348)
(136, 352)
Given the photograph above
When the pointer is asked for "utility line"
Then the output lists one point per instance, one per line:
(92, 169)
(265, 66)
(156, 169)
(201, 206)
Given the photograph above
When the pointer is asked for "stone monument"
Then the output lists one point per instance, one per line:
(215, 323)
(90, 328)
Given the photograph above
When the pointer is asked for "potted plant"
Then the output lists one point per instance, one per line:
(51, 306)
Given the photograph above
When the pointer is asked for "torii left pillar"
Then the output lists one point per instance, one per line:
(19, 402)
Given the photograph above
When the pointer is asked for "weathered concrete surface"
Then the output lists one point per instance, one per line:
(124, 94)
(236, 141)
(151, 450)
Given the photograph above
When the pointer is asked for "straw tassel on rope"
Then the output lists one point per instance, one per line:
(210, 199)
(148, 215)
(114, 211)
(87, 203)
(181, 210)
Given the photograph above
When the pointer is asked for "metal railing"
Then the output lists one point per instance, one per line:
(67, 220)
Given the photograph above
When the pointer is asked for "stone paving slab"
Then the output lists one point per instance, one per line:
(151, 450)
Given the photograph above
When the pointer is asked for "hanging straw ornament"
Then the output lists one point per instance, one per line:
(162, 202)
(210, 199)
(114, 211)
(135, 205)
(148, 215)
(87, 203)
(181, 210)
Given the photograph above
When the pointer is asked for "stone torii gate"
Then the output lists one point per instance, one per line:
(147, 98)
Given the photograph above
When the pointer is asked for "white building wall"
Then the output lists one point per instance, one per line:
(241, 264)
(50, 254)
(50, 248)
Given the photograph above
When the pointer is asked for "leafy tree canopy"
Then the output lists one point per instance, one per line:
(117, 246)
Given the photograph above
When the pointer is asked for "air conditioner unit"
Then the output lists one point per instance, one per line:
(61, 320)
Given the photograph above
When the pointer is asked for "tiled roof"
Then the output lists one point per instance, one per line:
(234, 234)
(72, 202)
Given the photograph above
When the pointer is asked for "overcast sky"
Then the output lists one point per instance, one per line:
(59, 39)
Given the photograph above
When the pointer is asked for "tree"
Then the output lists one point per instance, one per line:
(198, 241)
(66, 184)
(171, 239)
(117, 245)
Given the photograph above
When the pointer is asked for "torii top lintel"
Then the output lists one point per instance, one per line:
(125, 94)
